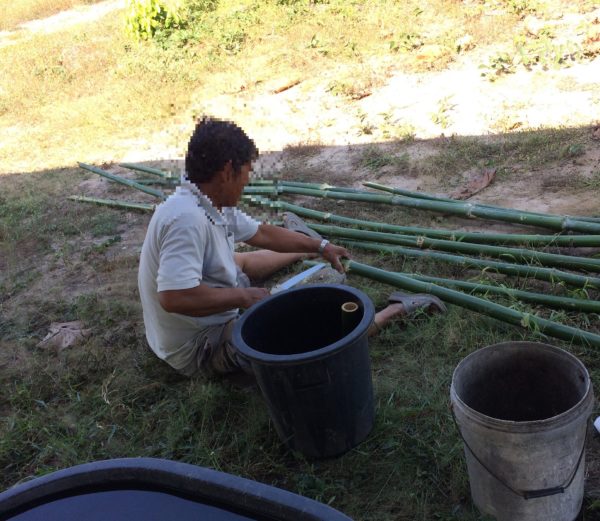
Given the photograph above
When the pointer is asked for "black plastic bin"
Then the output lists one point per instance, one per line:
(312, 366)
(147, 489)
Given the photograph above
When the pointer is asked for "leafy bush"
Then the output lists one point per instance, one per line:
(146, 17)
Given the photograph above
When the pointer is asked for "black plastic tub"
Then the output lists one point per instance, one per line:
(147, 489)
(312, 365)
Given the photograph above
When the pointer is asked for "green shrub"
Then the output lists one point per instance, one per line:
(147, 17)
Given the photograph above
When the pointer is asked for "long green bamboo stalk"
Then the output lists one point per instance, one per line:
(302, 184)
(123, 181)
(479, 305)
(154, 181)
(399, 191)
(519, 255)
(547, 274)
(431, 197)
(551, 301)
(148, 170)
(559, 223)
(113, 202)
(451, 235)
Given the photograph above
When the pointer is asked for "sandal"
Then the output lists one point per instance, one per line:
(414, 302)
(292, 222)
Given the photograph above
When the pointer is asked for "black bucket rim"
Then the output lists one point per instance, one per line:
(512, 425)
(273, 359)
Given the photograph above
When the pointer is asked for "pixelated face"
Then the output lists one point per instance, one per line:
(236, 184)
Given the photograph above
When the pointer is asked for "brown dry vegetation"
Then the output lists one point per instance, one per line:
(15, 13)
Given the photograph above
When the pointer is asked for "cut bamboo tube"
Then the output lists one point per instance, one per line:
(349, 314)
(479, 305)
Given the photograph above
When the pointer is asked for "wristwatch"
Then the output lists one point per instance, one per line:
(322, 246)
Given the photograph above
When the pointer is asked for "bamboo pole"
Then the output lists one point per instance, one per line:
(451, 235)
(154, 181)
(431, 197)
(148, 170)
(551, 301)
(302, 184)
(547, 274)
(479, 305)
(559, 223)
(400, 191)
(123, 181)
(112, 202)
(519, 255)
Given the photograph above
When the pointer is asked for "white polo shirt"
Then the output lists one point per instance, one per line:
(188, 242)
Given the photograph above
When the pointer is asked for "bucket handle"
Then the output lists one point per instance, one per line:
(525, 494)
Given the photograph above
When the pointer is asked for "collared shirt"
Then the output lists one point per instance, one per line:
(188, 242)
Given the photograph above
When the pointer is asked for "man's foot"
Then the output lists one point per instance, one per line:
(403, 304)
(414, 302)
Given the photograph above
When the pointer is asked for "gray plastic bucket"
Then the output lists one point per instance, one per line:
(522, 410)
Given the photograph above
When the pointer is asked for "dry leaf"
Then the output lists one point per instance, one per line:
(477, 182)
(64, 334)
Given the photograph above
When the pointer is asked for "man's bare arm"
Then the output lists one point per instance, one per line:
(204, 300)
(282, 240)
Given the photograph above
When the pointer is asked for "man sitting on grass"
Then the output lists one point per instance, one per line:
(191, 281)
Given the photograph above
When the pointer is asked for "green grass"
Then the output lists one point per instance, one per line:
(110, 397)
(528, 149)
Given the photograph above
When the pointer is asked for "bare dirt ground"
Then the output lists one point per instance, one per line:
(430, 106)
(60, 21)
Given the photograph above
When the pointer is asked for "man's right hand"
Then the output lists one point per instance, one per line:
(254, 295)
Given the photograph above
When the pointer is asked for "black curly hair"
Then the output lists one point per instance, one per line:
(214, 143)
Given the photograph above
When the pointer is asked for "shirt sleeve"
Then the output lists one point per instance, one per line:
(241, 224)
(181, 255)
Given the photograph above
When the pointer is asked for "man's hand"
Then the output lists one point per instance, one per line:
(279, 239)
(334, 254)
(253, 295)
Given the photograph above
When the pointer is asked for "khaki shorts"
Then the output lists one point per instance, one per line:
(214, 352)
(213, 347)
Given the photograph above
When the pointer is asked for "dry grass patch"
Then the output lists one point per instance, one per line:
(87, 89)
(19, 11)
